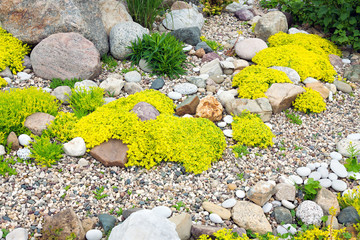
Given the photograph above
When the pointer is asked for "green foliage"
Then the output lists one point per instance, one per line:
(250, 130)
(99, 193)
(293, 117)
(109, 63)
(310, 188)
(84, 101)
(12, 52)
(5, 166)
(350, 198)
(62, 127)
(44, 152)
(144, 12)
(17, 104)
(352, 163)
(254, 81)
(195, 143)
(309, 102)
(125, 70)
(164, 53)
(179, 205)
(3, 82)
(269, 3)
(212, 44)
(240, 150)
(56, 82)
(214, 7)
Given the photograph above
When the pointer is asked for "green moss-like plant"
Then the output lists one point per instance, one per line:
(195, 143)
(254, 81)
(56, 82)
(306, 63)
(214, 7)
(250, 130)
(44, 152)
(17, 104)
(62, 127)
(12, 52)
(3, 82)
(309, 102)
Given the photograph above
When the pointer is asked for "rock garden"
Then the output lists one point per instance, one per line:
(152, 119)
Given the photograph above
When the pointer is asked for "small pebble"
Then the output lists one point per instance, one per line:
(23, 153)
(240, 193)
(324, 165)
(332, 176)
(228, 119)
(303, 171)
(336, 155)
(267, 207)
(290, 228)
(287, 204)
(323, 172)
(281, 230)
(325, 183)
(276, 203)
(196, 69)
(228, 132)
(215, 218)
(229, 203)
(94, 234)
(338, 168)
(174, 95)
(232, 186)
(339, 185)
(346, 61)
(311, 166)
(187, 48)
(24, 139)
(269, 125)
(221, 124)
(23, 76)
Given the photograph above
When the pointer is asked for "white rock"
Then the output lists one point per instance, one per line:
(229, 203)
(295, 30)
(183, 18)
(339, 185)
(221, 124)
(354, 136)
(187, 48)
(346, 61)
(215, 218)
(325, 183)
(303, 171)
(355, 175)
(281, 230)
(94, 234)
(24, 139)
(336, 155)
(87, 84)
(162, 211)
(204, 76)
(112, 86)
(331, 96)
(133, 76)
(18, 234)
(267, 207)
(8, 80)
(23, 76)
(290, 228)
(332, 176)
(317, 165)
(269, 125)
(228, 119)
(75, 148)
(323, 171)
(196, 69)
(350, 192)
(298, 180)
(240, 193)
(247, 188)
(311, 166)
(2, 150)
(187, 116)
(174, 95)
(276, 203)
(324, 165)
(228, 132)
(338, 168)
(109, 100)
(83, 162)
(185, 88)
(315, 175)
(287, 204)
(23, 153)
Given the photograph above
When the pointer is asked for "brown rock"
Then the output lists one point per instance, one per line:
(336, 61)
(38, 122)
(66, 55)
(270, 24)
(111, 153)
(209, 108)
(210, 56)
(261, 192)
(281, 95)
(250, 216)
(12, 138)
(145, 111)
(213, 208)
(66, 220)
(89, 223)
(320, 87)
(198, 230)
(188, 106)
(132, 88)
(232, 186)
(113, 12)
(178, 5)
(326, 199)
(200, 52)
(285, 191)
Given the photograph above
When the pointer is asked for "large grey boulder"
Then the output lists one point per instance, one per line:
(31, 21)
(183, 18)
(271, 23)
(113, 12)
(121, 36)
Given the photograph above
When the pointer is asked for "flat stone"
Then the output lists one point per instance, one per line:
(354, 136)
(323, 172)
(18, 234)
(2, 150)
(189, 35)
(228, 119)
(285, 191)
(338, 168)
(339, 185)
(310, 80)
(85, 84)
(343, 86)
(336, 156)
(157, 84)
(221, 124)
(244, 14)
(228, 133)
(212, 68)
(23, 153)
(267, 207)
(296, 179)
(112, 86)
(229, 203)
(23, 76)
(352, 73)
(311, 166)
(315, 175)
(185, 88)
(188, 106)
(213, 208)
(145, 66)
(174, 95)
(287, 204)
(261, 192)
(332, 176)
(38, 122)
(215, 218)
(198, 81)
(240, 194)
(145, 111)
(111, 153)
(260, 106)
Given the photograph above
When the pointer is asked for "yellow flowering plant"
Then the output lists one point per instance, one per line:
(3, 82)
(309, 102)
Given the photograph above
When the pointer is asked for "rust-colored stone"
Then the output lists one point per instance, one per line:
(111, 153)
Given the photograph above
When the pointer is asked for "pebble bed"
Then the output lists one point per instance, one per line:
(26, 198)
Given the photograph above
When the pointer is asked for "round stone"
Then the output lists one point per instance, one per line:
(174, 95)
(240, 193)
(317, 165)
(303, 171)
(221, 124)
(336, 155)
(232, 186)
(196, 69)
(309, 212)
(323, 172)
(94, 234)
(276, 203)
(338, 168)
(354, 136)
(267, 207)
(325, 183)
(339, 185)
(132, 76)
(228, 119)
(315, 175)
(215, 218)
(229, 203)
(298, 180)
(23, 153)
(311, 166)
(228, 132)
(287, 204)
(281, 230)
(187, 48)
(24, 139)
(324, 165)
(162, 211)
(185, 88)
(332, 176)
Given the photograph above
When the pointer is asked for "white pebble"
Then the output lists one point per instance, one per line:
(228, 132)
(323, 171)
(94, 234)
(221, 124)
(196, 69)
(240, 193)
(247, 188)
(311, 166)
(303, 171)
(174, 95)
(287, 204)
(354, 136)
(24, 139)
(228, 119)
(346, 61)
(324, 165)
(336, 155)
(281, 230)
(2, 150)
(215, 218)
(276, 203)
(229, 203)
(267, 207)
(187, 48)
(315, 175)
(325, 183)
(23, 76)
(332, 176)
(298, 180)
(290, 228)
(187, 116)
(162, 211)
(338, 168)
(317, 164)
(23, 154)
(339, 185)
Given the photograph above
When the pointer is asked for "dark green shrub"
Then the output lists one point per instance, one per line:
(163, 52)
(144, 12)
(56, 82)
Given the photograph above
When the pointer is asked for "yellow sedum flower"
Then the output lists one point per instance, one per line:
(62, 127)
(254, 81)
(3, 82)
(309, 102)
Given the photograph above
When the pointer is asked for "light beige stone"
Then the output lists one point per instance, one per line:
(38, 122)
(326, 199)
(183, 225)
(213, 208)
(261, 192)
(319, 87)
(285, 191)
(113, 12)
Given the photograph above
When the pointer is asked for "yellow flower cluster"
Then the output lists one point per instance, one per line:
(321, 234)
(254, 81)
(2, 138)
(311, 42)
(12, 52)
(227, 234)
(305, 62)
(62, 127)
(309, 102)
(194, 142)
(3, 82)
(351, 198)
(250, 130)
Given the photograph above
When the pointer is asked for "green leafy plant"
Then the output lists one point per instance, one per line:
(56, 82)
(310, 189)
(126, 70)
(240, 176)
(164, 53)
(212, 44)
(5, 232)
(109, 62)
(44, 152)
(352, 163)
(99, 193)
(179, 205)
(214, 7)
(62, 127)
(293, 117)
(84, 101)
(72, 236)
(268, 3)
(144, 12)
(240, 150)
(5, 166)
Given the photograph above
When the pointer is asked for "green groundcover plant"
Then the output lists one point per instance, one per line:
(45, 152)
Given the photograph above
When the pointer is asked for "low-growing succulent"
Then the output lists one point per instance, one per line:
(309, 102)
(62, 127)
(3, 82)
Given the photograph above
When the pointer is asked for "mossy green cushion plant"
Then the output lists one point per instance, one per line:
(17, 104)
(3, 82)
(306, 63)
(254, 81)
(62, 127)
(250, 130)
(195, 143)
(309, 102)
(12, 52)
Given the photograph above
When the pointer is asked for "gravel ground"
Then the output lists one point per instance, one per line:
(36, 192)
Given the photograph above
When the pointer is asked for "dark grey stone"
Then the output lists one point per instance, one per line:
(107, 221)
(204, 46)
(348, 216)
(157, 84)
(190, 35)
(126, 213)
(282, 215)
